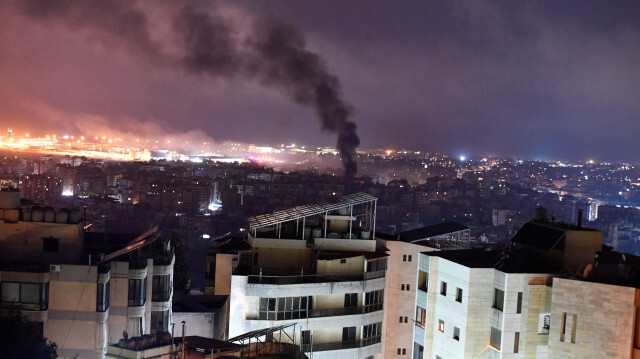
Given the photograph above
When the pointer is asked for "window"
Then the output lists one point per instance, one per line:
(404, 351)
(459, 295)
(343, 261)
(498, 299)
(519, 305)
(573, 327)
(399, 351)
(441, 325)
(400, 320)
(564, 327)
(25, 296)
(423, 281)
(161, 288)
(408, 286)
(496, 337)
(406, 320)
(102, 303)
(443, 288)
(371, 333)
(418, 351)
(306, 340)
(456, 333)
(438, 357)
(159, 321)
(285, 308)
(404, 257)
(373, 300)
(377, 265)
(348, 335)
(421, 315)
(402, 287)
(137, 292)
(50, 245)
(351, 300)
(516, 342)
(409, 258)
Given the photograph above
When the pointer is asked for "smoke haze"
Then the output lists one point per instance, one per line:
(211, 44)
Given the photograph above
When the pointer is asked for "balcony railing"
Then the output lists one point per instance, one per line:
(319, 313)
(351, 344)
(315, 278)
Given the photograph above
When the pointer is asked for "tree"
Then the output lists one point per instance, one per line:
(22, 337)
(181, 279)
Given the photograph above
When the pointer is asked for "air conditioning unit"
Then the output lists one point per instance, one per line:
(54, 268)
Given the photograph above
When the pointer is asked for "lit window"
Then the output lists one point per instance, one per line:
(441, 325)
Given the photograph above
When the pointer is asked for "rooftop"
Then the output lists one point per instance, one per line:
(300, 212)
(435, 230)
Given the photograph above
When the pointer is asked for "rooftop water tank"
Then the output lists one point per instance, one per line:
(62, 216)
(49, 215)
(9, 199)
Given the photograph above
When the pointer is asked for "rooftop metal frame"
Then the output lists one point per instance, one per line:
(299, 212)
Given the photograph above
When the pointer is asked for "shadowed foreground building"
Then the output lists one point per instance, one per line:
(52, 271)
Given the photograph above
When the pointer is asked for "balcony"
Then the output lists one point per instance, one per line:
(315, 278)
(320, 313)
(351, 344)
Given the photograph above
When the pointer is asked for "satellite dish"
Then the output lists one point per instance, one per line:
(125, 334)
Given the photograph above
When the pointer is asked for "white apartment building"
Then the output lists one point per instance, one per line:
(318, 267)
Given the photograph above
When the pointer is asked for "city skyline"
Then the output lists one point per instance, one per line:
(538, 80)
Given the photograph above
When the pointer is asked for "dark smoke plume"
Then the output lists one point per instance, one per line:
(273, 53)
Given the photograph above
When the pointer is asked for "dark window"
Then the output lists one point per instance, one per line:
(377, 265)
(459, 295)
(423, 279)
(25, 296)
(418, 351)
(409, 258)
(402, 287)
(496, 337)
(519, 307)
(400, 319)
(102, 303)
(161, 288)
(406, 320)
(404, 257)
(421, 315)
(348, 334)
(137, 292)
(50, 245)
(343, 261)
(373, 300)
(443, 288)
(285, 308)
(498, 299)
(516, 342)
(399, 351)
(456, 333)
(404, 351)
(408, 286)
(351, 300)
(306, 340)
(159, 322)
(371, 333)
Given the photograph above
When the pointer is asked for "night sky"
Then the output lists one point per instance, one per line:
(542, 80)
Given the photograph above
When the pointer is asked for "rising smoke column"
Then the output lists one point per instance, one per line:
(273, 53)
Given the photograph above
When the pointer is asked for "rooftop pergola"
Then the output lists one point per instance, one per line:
(276, 219)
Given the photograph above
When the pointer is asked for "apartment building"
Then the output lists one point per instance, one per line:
(320, 268)
(59, 276)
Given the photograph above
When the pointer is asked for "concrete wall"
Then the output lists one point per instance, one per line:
(23, 241)
(335, 266)
(224, 268)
